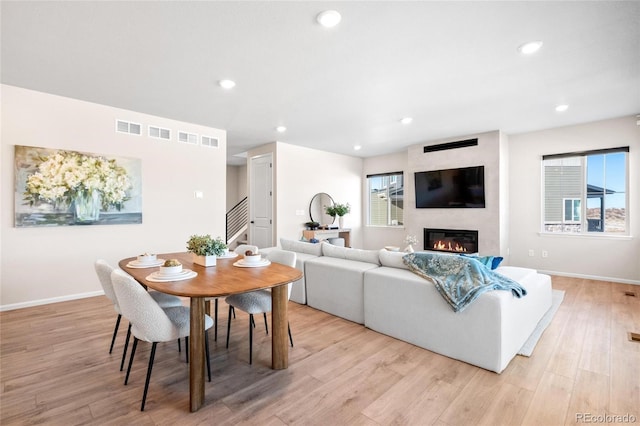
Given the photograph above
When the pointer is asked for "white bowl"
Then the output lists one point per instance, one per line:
(170, 270)
(147, 258)
(255, 258)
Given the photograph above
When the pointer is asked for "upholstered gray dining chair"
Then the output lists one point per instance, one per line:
(151, 323)
(259, 302)
(103, 270)
(240, 251)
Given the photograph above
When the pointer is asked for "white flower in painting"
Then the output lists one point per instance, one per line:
(60, 177)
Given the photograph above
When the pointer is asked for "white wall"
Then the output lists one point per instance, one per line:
(299, 174)
(376, 237)
(236, 185)
(487, 221)
(586, 256)
(49, 263)
(302, 173)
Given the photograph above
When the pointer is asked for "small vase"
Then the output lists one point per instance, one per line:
(408, 249)
(341, 222)
(204, 260)
(86, 206)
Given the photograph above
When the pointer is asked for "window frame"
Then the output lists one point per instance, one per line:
(393, 178)
(573, 210)
(583, 222)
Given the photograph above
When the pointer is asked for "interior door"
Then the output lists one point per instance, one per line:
(261, 201)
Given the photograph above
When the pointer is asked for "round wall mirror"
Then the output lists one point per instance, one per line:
(317, 208)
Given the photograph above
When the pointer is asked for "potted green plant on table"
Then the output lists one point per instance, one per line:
(338, 210)
(205, 249)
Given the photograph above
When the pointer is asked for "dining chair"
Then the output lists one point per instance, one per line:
(104, 270)
(259, 302)
(151, 323)
(240, 250)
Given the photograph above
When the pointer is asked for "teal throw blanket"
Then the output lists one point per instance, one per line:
(460, 280)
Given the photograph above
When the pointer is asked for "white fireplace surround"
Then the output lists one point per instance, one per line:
(492, 221)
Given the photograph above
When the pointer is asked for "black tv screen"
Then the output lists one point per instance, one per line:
(451, 188)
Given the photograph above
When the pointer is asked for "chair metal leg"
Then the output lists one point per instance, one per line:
(179, 347)
(126, 345)
(253, 323)
(215, 323)
(133, 352)
(265, 322)
(146, 383)
(229, 325)
(206, 347)
(115, 332)
(186, 348)
(234, 312)
(289, 329)
(251, 338)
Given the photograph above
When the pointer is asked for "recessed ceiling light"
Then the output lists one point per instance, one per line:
(531, 47)
(357, 147)
(406, 120)
(281, 129)
(562, 108)
(329, 18)
(227, 84)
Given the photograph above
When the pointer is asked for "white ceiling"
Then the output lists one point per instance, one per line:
(452, 66)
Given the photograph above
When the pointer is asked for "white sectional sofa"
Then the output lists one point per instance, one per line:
(376, 289)
(488, 333)
(304, 251)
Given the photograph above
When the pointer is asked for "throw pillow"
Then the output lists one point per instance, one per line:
(301, 247)
(491, 262)
(369, 256)
(392, 259)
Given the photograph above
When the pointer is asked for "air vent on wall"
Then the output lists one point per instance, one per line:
(187, 137)
(159, 133)
(128, 127)
(451, 145)
(209, 141)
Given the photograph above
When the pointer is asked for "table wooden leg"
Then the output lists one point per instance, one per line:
(279, 335)
(196, 347)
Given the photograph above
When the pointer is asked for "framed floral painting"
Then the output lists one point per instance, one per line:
(60, 188)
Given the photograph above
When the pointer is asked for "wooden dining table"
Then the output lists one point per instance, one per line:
(222, 280)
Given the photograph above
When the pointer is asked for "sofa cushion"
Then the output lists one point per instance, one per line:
(368, 256)
(301, 247)
(392, 259)
(335, 286)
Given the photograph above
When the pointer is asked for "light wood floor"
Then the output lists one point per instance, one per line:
(56, 370)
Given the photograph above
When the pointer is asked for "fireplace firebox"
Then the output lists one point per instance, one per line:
(451, 240)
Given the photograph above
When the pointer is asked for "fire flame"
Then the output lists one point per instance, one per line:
(442, 245)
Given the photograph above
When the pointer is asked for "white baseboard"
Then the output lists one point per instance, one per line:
(591, 277)
(51, 300)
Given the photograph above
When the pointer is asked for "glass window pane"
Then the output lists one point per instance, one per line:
(386, 200)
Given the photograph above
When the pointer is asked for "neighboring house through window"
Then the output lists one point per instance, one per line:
(386, 199)
(586, 192)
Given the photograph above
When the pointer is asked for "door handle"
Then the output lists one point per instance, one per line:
(252, 221)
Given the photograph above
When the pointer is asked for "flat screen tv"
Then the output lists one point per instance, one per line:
(451, 188)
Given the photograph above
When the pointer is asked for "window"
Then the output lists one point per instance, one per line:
(586, 192)
(571, 210)
(386, 199)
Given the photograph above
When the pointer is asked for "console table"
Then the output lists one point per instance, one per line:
(325, 234)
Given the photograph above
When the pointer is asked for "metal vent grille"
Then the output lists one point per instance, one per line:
(159, 133)
(209, 141)
(187, 137)
(128, 127)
